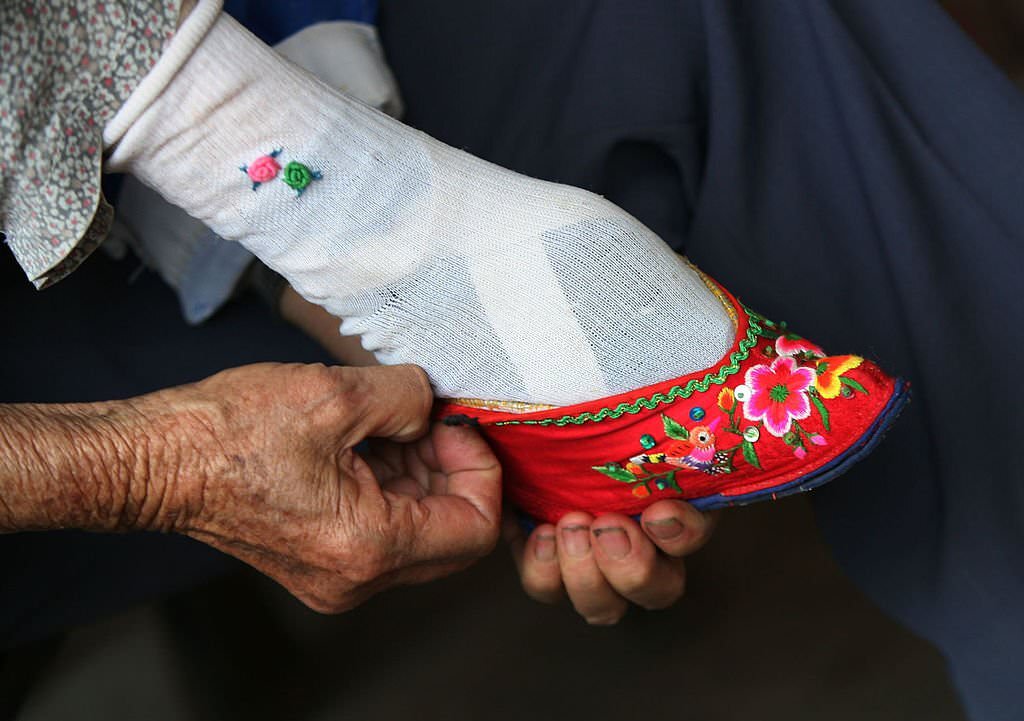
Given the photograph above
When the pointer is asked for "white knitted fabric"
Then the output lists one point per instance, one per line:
(345, 55)
(500, 286)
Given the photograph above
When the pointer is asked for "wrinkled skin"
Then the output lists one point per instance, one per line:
(268, 472)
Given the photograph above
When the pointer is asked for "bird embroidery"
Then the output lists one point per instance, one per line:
(697, 452)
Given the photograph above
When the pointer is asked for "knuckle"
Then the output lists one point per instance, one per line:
(420, 396)
(318, 373)
(344, 387)
(420, 382)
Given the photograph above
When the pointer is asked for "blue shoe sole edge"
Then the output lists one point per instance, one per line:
(828, 472)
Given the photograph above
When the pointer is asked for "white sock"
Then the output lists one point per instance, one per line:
(345, 55)
(500, 286)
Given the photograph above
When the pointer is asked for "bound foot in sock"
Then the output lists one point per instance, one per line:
(500, 286)
(520, 294)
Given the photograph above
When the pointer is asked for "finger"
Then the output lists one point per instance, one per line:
(428, 454)
(397, 465)
(389, 401)
(537, 560)
(676, 527)
(463, 520)
(632, 565)
(423, 464)
(591, 594)
(413, 462)
(406, 468)
(362, 471)
(404, 486)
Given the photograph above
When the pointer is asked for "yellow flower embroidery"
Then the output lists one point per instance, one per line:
(830, 370)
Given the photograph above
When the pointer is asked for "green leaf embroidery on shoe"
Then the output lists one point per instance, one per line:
(674, 430)
(616, 472)
(750, 455)
(822, 410)
(853, 384)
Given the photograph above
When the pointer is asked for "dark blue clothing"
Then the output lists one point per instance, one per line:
(855, 167)
(272, 22)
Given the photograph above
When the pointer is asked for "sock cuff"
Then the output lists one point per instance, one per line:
(207, 95)
(185, 41)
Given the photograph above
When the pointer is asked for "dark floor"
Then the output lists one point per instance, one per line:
(769, 630)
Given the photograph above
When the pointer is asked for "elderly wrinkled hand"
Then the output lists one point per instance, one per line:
(286, 491)
(261, 463)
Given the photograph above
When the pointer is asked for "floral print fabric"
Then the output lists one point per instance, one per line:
(67, 68)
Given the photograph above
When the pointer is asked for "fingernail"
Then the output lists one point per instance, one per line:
(614, 542)
(665, 529)
(576, 540)
(544, 549)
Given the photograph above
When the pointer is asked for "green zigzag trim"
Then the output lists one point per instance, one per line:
(718, 377)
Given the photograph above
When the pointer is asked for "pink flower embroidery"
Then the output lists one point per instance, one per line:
(778, 394)
(791, 345)
(265, 168)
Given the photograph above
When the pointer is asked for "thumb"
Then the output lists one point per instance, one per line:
(464, 520)
(396, 401)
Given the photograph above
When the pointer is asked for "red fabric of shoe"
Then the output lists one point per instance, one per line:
(776, 415)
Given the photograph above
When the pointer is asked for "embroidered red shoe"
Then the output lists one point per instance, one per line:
(775, 416)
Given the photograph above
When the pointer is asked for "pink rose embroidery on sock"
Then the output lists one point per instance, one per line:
(262, 170)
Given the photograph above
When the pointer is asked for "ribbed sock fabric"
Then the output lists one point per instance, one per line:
(500, 286)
